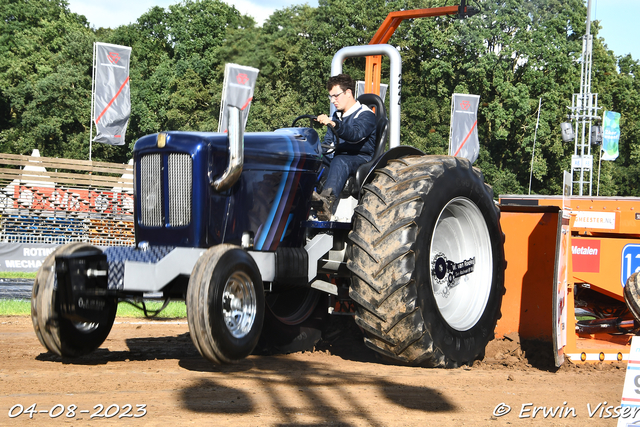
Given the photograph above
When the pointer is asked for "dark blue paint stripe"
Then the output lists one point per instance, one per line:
(276, 202)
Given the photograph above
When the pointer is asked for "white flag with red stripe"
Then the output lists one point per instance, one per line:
(237, 91)
(111, 103)
(463, 136)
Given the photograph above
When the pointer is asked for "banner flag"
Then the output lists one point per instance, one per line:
(237, 91)
(610, 135)
(111, 103)
(463, 136)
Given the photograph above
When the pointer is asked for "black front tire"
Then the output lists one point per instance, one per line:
(225, 304)
(56, 333)
(428, 262)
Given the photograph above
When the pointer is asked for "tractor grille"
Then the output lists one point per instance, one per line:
(151, 197)
(179, 190)
(178, 178)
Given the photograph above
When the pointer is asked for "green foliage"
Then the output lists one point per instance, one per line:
(45, 78)
(505, 55)
(176, 70)
(513, 53)
(15, 307)
(18, 275)
(174, 310)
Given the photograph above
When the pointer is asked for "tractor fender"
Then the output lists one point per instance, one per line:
(394, 153)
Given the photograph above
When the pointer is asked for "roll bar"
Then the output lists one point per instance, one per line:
(394, 80)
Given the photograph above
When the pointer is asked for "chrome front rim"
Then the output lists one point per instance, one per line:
(239, 304)
(86, 327)
(461, 264)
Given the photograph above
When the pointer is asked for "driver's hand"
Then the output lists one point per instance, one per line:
(325, 120)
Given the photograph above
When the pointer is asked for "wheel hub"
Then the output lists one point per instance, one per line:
(239, 304)
(86, 327)
(461, 263)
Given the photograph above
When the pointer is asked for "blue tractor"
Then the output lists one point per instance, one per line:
(225, 221)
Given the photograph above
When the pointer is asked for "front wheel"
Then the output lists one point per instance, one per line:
(428, 259)
(225, 304)
(56, 333)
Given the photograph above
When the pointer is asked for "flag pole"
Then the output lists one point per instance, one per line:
(600, 155)
(599, 165)
(535, 135)
(451, 127)
(93, 86)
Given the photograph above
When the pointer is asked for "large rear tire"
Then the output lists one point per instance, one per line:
(225, 304)
(56, 333)
(428, 262)
(632, 295)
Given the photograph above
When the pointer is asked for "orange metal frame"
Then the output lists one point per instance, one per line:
(373, 67)
(530, 249)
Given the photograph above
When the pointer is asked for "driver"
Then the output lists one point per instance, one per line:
(352, 131)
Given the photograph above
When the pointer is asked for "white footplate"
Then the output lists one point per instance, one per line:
(153, 276)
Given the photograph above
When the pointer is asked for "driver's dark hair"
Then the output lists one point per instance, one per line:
(344, 81)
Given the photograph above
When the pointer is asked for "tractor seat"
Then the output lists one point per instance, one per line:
(376, 103)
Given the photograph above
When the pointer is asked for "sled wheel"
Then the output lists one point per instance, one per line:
(56, 333)
(225, 304)
(294, 320)
(428, 262)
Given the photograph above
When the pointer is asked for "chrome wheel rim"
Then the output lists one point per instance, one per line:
(461, 264)
(86, 327)
(239, 304)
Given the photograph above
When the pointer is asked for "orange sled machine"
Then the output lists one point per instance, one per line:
(570, 275)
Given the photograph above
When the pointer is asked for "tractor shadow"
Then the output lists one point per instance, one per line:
(289, 388)
(139, 349)
(285, 387)
(341, 338)
(322, 388)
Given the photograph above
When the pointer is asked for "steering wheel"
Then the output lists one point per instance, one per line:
(304, 116)
(326, 148)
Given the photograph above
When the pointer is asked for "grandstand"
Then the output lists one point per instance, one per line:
(57, 201)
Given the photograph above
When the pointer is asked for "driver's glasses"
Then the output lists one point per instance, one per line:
(332, 97)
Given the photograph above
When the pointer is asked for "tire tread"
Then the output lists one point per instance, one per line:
(45, 317)
(383, 242)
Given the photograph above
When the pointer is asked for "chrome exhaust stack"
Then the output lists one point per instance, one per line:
(236, 152)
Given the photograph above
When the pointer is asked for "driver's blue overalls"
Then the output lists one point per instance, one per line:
(354, 138)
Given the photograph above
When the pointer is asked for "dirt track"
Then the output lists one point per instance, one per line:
(155, 363)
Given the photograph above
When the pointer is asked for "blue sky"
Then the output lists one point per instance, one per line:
(112, 13)
(618, 17)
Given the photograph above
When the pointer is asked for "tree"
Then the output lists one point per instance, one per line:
(176, 72)
(45, 78)
(513, 53)
(622, 177)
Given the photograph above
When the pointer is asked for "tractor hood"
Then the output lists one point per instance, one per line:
(177, 204)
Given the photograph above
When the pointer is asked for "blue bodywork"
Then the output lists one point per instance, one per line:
(271, 199)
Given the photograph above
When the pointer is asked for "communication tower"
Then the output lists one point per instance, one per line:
(584, 109)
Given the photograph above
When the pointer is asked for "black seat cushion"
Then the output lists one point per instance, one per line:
(377, 104)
